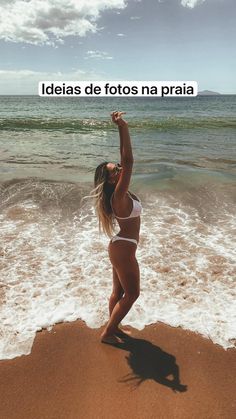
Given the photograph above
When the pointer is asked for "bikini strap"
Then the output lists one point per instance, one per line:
(133, 198)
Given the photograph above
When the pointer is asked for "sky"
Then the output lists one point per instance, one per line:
(117, 40)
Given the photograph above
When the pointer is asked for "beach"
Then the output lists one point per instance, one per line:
(70, 374)
(184, 173)
(56, 277)
(68, 166)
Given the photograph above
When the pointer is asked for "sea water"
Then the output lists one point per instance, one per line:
(54, 263)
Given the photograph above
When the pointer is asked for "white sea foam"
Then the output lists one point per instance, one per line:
(54, 271)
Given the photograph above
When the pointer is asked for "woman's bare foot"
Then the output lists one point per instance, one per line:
(122, 332)
(112, 339)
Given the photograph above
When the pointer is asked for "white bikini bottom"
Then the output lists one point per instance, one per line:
(113, 239)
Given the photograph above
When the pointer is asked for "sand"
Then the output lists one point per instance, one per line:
(70, 374)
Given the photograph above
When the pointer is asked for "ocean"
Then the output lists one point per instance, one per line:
(54, 263)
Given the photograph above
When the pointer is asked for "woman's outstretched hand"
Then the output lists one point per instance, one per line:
(117, 118)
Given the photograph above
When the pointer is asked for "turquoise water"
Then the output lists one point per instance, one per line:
(185, 174)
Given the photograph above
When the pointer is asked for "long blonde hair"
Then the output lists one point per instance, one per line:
(102, 193)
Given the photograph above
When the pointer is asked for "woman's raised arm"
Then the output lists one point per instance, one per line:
(126, 153)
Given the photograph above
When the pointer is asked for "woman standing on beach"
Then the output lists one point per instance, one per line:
(114, 201)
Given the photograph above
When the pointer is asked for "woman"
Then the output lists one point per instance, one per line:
(113, 201)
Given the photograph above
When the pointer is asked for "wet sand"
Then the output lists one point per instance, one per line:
(158, 372)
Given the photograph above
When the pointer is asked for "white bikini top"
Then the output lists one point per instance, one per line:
(136, 210)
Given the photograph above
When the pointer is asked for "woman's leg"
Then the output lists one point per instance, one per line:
(117, 291)
(126, 266)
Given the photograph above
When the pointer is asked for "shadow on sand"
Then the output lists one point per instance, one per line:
(149, 362)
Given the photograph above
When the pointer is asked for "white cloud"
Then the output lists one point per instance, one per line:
(41, 22)
(98, 54)
(25, 82)
(47, 22)
(186, 3)
(191, 3)
(120, 34)
(135, 17)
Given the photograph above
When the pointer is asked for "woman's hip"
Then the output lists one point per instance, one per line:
(122, 251)
(126, 239)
